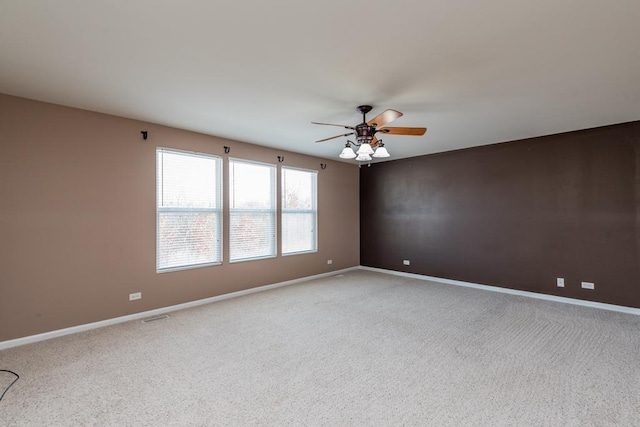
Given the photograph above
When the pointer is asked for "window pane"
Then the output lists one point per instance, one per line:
(186, 180)
(252, 223)
(299, 210)
(251, 185)
(298, 234)
(253, 235)
(298, 189)
(186, 239)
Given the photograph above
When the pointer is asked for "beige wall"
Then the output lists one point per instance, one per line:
(77, 219)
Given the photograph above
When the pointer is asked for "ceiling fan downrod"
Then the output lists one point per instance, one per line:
(364, 109)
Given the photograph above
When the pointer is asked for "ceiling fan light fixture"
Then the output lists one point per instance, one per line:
(365, 149)
(381, 152)
(363, 157)
(347, 152)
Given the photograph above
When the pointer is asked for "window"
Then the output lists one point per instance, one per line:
(189, 210)
(252, 210)
(299, 211)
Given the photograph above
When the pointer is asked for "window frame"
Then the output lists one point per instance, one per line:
(313, 211)
(273, 210)
(218, 210)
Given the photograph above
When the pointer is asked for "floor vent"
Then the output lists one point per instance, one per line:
(153, 319)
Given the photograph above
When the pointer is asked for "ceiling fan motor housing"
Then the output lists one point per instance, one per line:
(364, 133)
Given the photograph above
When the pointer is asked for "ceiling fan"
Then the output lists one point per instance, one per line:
(365, 134)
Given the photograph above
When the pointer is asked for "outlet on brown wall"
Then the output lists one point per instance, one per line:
(515, 215)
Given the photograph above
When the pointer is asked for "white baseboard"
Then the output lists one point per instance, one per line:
(574, 301)
(150, 313)
(158, 311)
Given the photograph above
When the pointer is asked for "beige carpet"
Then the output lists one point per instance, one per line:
(362, 349)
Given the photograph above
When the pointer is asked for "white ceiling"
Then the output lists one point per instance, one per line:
(472, 71)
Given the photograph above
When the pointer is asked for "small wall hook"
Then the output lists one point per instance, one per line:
(323, 166)
(227, 149)
(144, 134)
(281, 159)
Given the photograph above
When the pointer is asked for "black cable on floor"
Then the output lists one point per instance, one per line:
(9, 386)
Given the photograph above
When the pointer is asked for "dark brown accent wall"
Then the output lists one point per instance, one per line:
(78, 228)
(515, 215)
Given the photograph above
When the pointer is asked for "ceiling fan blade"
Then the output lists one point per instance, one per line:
(385, 117)
(333, 137)
(403, 131)
(331, 124)
(374, 142)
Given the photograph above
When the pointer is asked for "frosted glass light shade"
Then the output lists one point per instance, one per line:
(365, 149)
(381, 152)
(347, 153)
(363, 157)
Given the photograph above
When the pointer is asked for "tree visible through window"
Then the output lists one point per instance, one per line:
(299, 210)
(189, 210)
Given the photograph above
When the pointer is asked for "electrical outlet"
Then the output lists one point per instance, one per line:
(329, 261)
(406, 262)
(560, 282)
(135, 296)
(588, 285)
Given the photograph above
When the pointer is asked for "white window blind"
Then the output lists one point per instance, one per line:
(189, 209)
(299, 211)
(252, 210)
